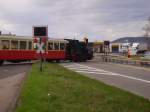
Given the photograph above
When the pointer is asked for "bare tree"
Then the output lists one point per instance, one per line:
(146, 28)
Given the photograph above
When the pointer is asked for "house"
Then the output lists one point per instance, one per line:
(134, 44)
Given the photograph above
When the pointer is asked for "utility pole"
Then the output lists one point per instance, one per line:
(146, 28)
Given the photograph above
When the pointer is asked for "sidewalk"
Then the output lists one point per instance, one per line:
(9, 91)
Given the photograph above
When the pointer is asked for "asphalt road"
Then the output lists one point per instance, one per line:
(11, 78)
(9, 69)
(133, 79)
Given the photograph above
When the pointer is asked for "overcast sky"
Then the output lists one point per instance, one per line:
(97, 19)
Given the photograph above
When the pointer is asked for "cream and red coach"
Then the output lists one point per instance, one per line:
(18, 48)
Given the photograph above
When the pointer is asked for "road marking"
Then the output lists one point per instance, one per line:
(91, 70)
(83, 68)
(131, 66)
(130, 77)
(86, 69)
(94, 72)
(78, 66)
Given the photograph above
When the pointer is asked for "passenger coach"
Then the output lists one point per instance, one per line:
(19, 48)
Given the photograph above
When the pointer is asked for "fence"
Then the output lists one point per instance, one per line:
(126, 61)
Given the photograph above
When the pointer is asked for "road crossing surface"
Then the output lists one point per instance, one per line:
(115, 75)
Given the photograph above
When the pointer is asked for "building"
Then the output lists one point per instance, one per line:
(134, 44)
(98, 47)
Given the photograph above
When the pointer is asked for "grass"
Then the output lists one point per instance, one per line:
(60, 90)
(135, 57)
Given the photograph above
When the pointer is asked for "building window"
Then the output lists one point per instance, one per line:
(5, 44)
(14, 44)
(115, 49)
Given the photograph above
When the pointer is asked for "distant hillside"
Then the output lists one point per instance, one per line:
(132, 40)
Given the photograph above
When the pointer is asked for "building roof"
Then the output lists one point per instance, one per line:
(132, 40)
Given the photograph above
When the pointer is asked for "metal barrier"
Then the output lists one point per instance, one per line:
(126, 61)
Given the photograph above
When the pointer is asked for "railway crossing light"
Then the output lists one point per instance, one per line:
(35, 40)
(40, 34)
(40, 31)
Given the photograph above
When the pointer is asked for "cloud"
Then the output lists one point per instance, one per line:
(99, 19)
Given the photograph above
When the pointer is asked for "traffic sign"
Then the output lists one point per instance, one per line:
(40, 48)
(40, 35)
(40, 31)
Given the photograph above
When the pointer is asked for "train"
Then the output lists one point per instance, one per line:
(19, 48)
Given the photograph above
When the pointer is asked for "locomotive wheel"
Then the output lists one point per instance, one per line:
(1, 62)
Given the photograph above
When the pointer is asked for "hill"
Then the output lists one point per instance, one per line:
(132, 40)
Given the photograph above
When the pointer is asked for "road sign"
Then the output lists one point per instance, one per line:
(40, 35)
(40, 48)
(40, 31)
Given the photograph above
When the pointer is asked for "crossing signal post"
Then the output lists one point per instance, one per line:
(40, 34)
(106, 49)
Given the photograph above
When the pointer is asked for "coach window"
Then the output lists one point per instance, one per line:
(14, 44)
(5, 44)
(62, 46)
(56, 46)
(50, 46)
(30, 45)
(23, 45)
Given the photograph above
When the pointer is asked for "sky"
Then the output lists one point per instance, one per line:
(95, 19)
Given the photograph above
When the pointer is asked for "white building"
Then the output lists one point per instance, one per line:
(124, 48)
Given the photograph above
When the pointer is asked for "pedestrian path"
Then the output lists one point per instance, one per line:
(86, 69)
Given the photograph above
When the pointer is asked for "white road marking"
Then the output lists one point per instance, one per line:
(86, 69)
(134, 78)
(130, 77)
(103, 73)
